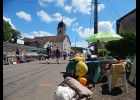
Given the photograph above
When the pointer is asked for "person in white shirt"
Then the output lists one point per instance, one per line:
(64, 54)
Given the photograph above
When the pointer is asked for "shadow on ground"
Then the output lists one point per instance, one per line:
(63, 72)
(103, 79)
(47, 63)
(52, 63)
(114, 92)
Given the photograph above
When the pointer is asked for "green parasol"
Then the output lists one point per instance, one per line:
(105, 37)
(92, 38)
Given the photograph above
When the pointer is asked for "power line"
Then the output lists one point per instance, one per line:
(67, 2)
(91, 16)
(111, 16)
(113, 8)
(91, 20)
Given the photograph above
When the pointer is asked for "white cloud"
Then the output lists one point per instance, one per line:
(103, 26)
(55, 17)
(83, 44)
(82, 6)
(106, 26)
(84, 33)
(68, 21)
(38, 34)
(42, 33)
(27, 35)
(68, 8)
(74, 11)
(44, 16)
(24, 15)
(44, 3)
(60, 3)
(100, 7)
(58, 17)
(114, 22)
(10, 22)
(74, 26)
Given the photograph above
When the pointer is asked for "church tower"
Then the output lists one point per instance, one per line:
(61, 29)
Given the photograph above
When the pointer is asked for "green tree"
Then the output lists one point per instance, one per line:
(124, 47)
(78, 49)
(16, 34)
(9, 32)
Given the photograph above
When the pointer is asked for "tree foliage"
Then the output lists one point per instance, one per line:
(9, 32)
(78, 49)
(124, 47)
(102, 52)
(16, 34)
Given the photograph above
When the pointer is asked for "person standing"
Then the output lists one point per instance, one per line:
(48, 53)
(17, 51)
(18, 54)
(58, 54)
(64, 54)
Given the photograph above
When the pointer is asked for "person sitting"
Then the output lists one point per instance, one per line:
(88, 58)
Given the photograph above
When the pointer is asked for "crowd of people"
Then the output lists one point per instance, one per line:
(57, 54)
(52, 53)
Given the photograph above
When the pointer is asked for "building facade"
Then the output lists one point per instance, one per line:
(127, 22)
(61, 40)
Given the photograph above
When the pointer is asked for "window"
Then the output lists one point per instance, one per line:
(64, 45)
(59, 31)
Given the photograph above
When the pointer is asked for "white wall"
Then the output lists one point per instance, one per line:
(19, 41)
(60, 45)
(47, 43)
(66, 45)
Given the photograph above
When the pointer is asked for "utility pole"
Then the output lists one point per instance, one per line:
(95, 17)
(75, 43)
(96, 23)
(75, 40)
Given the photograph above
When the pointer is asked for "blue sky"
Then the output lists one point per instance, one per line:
(40, 17)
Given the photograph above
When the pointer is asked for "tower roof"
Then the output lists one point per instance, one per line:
(61, 24)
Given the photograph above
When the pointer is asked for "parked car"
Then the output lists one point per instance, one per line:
(42, 53)
(33, 53)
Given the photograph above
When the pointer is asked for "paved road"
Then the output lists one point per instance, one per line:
(32, 81)
(38, 81)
